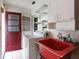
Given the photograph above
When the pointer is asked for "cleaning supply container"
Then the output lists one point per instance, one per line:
(51, 48)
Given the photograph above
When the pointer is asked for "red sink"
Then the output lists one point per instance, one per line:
(52, 48)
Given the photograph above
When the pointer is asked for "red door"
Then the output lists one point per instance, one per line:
(13, 31)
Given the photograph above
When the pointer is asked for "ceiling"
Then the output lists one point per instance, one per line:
(26, 4)
(20, 3)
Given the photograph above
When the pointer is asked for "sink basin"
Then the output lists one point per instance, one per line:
(53, 46)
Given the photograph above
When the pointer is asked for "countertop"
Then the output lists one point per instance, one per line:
(32, 35)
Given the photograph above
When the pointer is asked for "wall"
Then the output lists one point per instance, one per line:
(25, 12)
(74, 34)
(52, 10)
(0, 31)
(66, 25)
(0, 42)
(58, 10)
(65, 11)
(61, 10)
(0, 36)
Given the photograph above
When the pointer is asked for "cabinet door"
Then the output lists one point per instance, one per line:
(13, 31)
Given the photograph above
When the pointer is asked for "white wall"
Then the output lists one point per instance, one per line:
(65, 11)
(67, 25)
(58, 10)
(52, 10)
(62, 10)
(0, 31)
(65, 8)
(25, 12)
(0, 39)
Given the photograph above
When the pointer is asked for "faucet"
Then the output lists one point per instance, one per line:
(69, 38)
(59, 36)
(46, 35)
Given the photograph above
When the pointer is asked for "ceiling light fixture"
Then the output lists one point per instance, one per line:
(33, 2)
